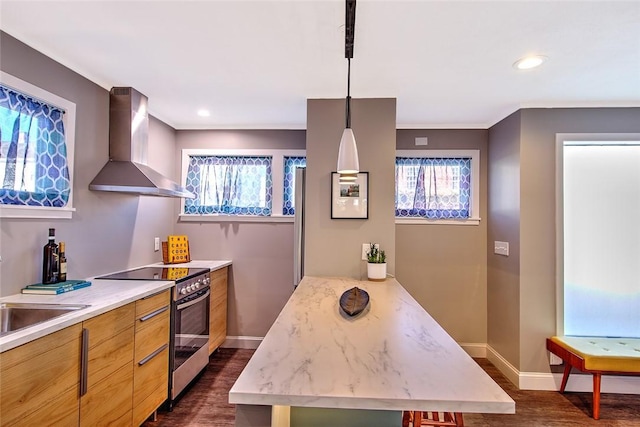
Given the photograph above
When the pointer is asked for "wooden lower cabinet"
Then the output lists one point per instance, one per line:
(218, 308)
(108, 402)
(39, 381)
(151, 362)
(112, 369)
(109, 377)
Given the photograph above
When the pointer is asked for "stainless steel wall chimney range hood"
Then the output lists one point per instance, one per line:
(127, 170)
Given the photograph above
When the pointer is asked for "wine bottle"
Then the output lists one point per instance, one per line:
(62, 262)
(50, 259)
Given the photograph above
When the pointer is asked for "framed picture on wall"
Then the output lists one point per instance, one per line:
(350, 198)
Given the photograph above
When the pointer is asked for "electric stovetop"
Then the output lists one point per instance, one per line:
(157, 273)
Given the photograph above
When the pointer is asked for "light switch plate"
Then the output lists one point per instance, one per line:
(156, 244)
(501, 248)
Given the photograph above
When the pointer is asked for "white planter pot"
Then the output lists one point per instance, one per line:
(377, 272)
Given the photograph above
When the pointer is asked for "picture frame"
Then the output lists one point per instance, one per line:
(350, 200)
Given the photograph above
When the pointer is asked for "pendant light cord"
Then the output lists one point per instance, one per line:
(348, 126)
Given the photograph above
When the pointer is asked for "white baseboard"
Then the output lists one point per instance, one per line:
(503, 365)
(242, 342)
(580, 382)
(549, 381)
(474, 349)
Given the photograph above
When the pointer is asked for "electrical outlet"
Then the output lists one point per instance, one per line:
(554, 360)
(365, 249)
(156, 244)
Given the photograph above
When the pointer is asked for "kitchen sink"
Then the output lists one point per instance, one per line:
(16, 316)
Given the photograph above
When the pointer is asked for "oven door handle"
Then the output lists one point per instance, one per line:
(195, 301)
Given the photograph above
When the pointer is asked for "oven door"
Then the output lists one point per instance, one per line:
(191, 327)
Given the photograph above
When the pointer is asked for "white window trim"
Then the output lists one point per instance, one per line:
(277, 170)
(475, 185)
(69, 120)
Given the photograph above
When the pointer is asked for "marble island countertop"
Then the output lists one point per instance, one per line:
(392, 356)
(101, 296)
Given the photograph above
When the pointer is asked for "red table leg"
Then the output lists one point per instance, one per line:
(565, 377)
(597, 377)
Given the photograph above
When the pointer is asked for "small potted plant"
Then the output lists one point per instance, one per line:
(376, 263)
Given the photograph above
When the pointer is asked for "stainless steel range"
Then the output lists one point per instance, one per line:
(189, 320)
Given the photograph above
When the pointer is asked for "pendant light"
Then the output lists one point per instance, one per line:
(348, 163)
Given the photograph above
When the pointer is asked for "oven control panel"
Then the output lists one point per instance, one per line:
(192, 285)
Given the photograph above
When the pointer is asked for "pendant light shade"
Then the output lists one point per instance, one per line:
(348, 154)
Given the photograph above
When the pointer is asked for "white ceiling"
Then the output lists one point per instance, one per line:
(255, 63)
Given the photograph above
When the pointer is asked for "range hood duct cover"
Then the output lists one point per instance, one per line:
(127, 170)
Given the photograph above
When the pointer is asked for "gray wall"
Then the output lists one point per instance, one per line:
(261, 279)
(503, 224)
(108, 231)
(333, 246)
(531, 286)
(444, 267)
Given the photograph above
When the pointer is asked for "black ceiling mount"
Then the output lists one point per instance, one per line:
(349, 28)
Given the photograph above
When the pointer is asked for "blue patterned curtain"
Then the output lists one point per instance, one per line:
(33, 152)
(290, 166)
(232, 185)
(434, 188)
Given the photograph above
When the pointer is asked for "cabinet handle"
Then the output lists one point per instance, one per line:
(154, 314)
(152, 355)
(84, 363)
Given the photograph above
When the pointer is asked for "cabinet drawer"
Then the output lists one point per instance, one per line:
(151, 335)
(152, 302)
(151, 386)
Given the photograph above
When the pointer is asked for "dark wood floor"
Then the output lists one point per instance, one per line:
(205, 404)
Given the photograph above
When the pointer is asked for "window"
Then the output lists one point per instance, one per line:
(598, 180)
(290, 166)
(435, 185)
(231, 185)
(239, 185)
(36, 158)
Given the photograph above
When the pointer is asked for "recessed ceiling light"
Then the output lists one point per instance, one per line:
(203, 113)
(529, 62)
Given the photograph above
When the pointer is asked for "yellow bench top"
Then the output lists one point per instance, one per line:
(604, 354)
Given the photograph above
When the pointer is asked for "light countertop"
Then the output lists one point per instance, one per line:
(212, 265)
(392, 356)
(101, 296)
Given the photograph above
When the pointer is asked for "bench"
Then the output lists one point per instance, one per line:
(596, 356)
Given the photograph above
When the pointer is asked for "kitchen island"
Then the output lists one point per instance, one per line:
(318, 366)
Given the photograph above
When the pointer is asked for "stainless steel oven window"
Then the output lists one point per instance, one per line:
(191, 327)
